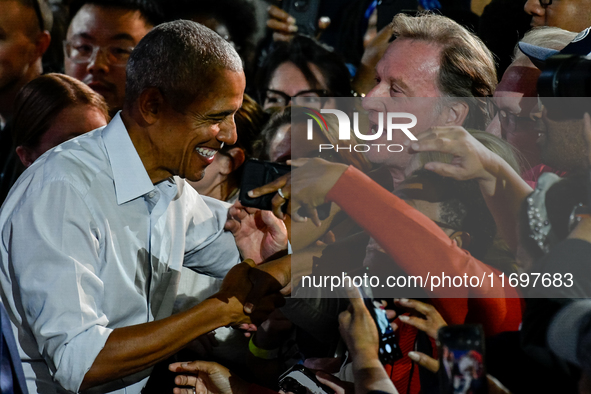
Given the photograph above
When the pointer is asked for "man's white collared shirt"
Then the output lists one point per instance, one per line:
(89, 244)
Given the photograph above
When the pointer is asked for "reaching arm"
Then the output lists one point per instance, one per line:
(135, 348)
(502, 188)
(132, 349)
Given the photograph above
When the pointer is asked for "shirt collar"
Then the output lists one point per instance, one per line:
(129, 174)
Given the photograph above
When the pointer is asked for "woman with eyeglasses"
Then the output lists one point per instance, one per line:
(305, 70)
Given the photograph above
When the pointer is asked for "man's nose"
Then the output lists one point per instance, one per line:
(374, 100)
(98, 63)
(380, 90)
(534, 8)
(227, 133)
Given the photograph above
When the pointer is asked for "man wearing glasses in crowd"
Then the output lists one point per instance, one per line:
(571, 15)
(100, 39)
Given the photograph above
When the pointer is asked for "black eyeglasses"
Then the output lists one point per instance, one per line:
(313, 98)
(545, 3)
(509, 121)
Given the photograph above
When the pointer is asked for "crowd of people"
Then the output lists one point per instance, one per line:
(129, 261)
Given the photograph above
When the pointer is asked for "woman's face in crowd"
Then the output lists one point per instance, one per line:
(289, 81)
(70, 123)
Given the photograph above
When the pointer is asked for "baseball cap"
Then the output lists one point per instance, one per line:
(580, 45)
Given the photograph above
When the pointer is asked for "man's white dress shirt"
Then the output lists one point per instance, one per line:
(89, 244)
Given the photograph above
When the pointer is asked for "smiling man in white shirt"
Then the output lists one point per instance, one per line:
(95, 232)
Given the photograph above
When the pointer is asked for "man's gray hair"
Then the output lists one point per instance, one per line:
(467, 68)
(179, 58)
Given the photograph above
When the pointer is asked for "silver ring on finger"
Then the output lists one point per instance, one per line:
(280, 192)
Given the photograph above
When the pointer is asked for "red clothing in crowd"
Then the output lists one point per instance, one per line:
(419, 247)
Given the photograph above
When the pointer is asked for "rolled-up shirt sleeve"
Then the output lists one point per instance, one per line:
(55, 254)
(217, 254)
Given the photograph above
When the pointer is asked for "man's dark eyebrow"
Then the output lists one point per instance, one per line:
(122, 36)
(86, 36)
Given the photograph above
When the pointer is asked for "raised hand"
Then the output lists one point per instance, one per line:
(259, 234)
(207, 378)
(472, 160)
(306, 186)
(284, 26)
(423, 316)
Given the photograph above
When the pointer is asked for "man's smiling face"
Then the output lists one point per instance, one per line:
(408, 70)
(188, 141)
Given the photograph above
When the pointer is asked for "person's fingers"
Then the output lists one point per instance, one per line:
(330, 381)
(344, 322)
(446, 170)
(281, 27)
(308, 211)
(282, 37)
(294, 210)
(279, 14)
(185, 380)
(237, 213)
(272, 187)
(441, 144)
(192, 367)
(275, 225)
(231, 225)
(355, 297)
(390, 314)
(425, 309)
(277, 205)
(416, 322)
(286, 290)
(329, 238)
(425, 361)
(314, 217)
(451, 133)
(298, 162)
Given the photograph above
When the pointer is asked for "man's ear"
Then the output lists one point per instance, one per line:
(456, 113)
(42, 43)
(461, 238)
(237, 158)
(150, 105)
(26, 155)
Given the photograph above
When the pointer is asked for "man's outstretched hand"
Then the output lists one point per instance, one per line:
(259, 234)
(206, 378)
(252, 294)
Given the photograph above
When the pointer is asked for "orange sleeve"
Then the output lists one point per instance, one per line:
(420, 247)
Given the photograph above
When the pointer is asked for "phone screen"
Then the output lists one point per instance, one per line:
(389, 351)
(461, 355)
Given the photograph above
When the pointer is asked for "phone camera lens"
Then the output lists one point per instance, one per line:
(301, 5)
